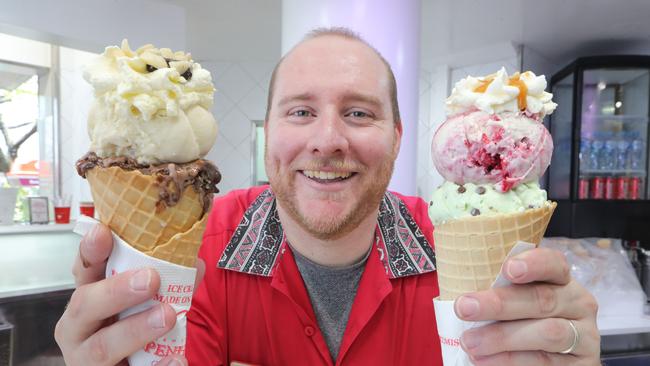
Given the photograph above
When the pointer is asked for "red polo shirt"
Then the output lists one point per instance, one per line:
(252, 305)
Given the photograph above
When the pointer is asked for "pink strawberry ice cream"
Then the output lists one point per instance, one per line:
(502, 149)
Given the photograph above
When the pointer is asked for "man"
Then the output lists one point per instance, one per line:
(325, 266)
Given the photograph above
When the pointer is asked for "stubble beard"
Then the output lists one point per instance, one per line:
(335, 226)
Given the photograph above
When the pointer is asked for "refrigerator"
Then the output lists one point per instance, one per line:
(599, 170)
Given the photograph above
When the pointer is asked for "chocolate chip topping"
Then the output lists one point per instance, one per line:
(480, 190)
(462, 189)
(187, 74)
(430, 203)
(172, 178)
(475, 212)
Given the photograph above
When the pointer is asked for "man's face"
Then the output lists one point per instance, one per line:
(331, 140)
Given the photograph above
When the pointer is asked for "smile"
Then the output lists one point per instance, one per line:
(327, 177)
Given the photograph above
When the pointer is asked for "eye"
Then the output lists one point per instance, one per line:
(358, 114)
(301, 113)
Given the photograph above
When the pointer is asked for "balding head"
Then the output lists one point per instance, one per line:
(347, 34)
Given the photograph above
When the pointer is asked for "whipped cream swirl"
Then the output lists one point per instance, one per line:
(498, 93)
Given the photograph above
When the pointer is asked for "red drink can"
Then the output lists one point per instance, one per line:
(610, 188)
(621, 187)
(583, 188)
(597, 188)
(633, 189)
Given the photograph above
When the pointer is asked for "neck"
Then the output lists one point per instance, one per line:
(343, 251)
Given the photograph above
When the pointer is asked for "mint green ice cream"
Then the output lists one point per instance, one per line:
(453, 201)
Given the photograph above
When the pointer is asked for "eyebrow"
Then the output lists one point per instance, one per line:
(369, 99)
(353, 96)
(296, 97)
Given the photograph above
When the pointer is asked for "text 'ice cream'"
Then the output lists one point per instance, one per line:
(150, 127)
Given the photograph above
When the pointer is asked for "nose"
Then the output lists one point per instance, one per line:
(329, 136)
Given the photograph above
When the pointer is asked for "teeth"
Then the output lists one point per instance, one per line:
(326, 175)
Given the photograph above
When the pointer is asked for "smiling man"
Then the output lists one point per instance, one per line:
(324, 266)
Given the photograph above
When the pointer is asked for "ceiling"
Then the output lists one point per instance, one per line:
(556, 29)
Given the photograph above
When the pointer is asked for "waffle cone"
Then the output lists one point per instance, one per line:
(126, 202)
(470, 251)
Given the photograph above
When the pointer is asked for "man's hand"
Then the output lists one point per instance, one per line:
(534, 316)
(87, 331)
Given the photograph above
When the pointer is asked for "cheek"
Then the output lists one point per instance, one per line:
(374, 149)
(282, 146)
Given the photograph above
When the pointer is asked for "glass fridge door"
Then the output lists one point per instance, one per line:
(613, 134)
(561, 125)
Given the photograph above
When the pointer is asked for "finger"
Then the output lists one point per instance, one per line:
(92, 303)
(537, 358)
(175, 360)
(532, 301)
(538, 265)
(111, 344)
(552, 335)
(94, 249)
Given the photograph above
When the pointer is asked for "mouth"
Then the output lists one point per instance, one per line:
(328, 177)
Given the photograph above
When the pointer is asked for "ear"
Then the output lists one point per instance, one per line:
(398, 137)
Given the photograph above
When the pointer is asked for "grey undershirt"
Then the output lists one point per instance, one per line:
(331, 291)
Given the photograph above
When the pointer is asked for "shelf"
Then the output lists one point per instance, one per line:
(623, 325)
(637, 172)
(36, 228)
(622, 117)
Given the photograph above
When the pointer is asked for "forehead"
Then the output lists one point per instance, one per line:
(333, 63)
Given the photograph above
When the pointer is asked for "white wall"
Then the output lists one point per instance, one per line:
(75, 98)
(239, 42)
(92, 24)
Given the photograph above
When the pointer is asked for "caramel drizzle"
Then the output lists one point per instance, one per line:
(513, 81)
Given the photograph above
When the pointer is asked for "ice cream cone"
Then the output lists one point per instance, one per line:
(470, 251)
(127, 201)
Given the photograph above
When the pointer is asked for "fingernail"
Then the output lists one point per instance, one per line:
(157, 318)
(470, 340)
(467, 307)
(88, 241)
(517, 268)
(140, 280)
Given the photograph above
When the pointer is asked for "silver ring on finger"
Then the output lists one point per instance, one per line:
(576, 339)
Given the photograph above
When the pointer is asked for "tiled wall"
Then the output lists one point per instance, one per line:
(240, 100)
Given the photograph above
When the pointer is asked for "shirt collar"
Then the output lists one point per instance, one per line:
(258, 242)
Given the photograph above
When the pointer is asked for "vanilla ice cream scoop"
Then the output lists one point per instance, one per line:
(151, 105)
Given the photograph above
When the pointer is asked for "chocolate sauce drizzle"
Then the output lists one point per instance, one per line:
(172, 178)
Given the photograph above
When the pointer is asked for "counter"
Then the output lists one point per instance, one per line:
(36, 259)
(35, 285)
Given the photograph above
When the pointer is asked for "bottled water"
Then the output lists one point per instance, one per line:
(622, 154)
(637, 155)
(608, 155)
(595, 155)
